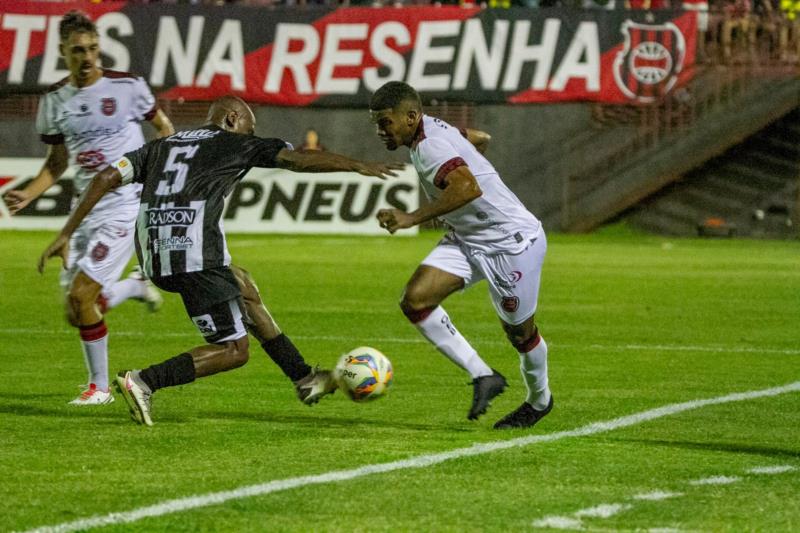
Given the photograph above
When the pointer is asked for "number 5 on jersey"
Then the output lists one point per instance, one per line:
(174, 164)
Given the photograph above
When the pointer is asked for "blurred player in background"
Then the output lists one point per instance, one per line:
(492, 236)
(89, 119)
(181, 244)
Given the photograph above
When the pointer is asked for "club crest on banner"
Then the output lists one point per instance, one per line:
(650, 61)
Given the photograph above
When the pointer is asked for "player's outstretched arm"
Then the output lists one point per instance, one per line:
(162, 124)
(461, 187)
(479, 139)
(317, 161)
(54, 166)
(100, 185)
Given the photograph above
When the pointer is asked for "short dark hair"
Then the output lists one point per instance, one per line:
(392, 94)
(75, 21)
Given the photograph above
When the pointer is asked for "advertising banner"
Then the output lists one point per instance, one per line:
(328, 56)
(265, 201)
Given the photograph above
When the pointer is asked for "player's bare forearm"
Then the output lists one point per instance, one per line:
(319, 161)
(54, 166)
(162, 124)
(52, 169)
(454, 196)
(461, 188)
(103, 182)
(479, 139)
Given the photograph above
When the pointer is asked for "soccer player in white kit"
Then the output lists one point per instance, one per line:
(90, 119)
(492, 236)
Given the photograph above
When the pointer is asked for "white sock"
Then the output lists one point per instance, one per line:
(123, 290)
(533, 366)
(95, 352)
(441, 332)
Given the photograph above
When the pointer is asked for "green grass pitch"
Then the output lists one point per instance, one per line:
(633, 323)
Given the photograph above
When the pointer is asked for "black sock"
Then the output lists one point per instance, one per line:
(175, 371)
(285, 354)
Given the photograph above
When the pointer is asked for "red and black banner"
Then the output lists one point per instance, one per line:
(338, 57)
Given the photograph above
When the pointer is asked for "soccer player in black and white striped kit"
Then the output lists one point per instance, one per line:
(181, 244)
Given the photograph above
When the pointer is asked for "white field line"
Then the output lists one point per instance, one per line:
(420, 461)
(604, 510)
(607, 510)
(769, 470)
(656, 495)
(416, 340)
(716, 480)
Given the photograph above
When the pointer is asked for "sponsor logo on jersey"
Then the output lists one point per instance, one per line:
(175, 216)
(90, 159)
(193, 135)
(509, 281)
(172, 243)
(108, 106)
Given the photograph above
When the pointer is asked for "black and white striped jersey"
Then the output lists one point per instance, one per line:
(185, 179)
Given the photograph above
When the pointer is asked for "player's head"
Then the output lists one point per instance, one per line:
(231, 113)
(80, 47)
(396, 110)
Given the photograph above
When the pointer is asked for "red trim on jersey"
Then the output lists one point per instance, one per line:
(528, 345)
(56, 138)
(116, 74)
(152, 113)
(446, 168)
(57, 85)
(93, 332)
(419, 135)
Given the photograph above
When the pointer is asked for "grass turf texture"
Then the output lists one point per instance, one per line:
(633, 322)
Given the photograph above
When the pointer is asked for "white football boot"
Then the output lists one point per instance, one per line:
(136, 394)
(315, 385)
(93, 396)
(152, 298)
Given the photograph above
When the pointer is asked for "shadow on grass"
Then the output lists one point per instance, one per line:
(729, 447)
(330, 421)
(31, 395)
(21, 409)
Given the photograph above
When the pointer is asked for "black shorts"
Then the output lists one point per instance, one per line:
(213, 300)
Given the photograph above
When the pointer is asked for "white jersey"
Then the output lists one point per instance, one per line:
(98, 124)
(496, 222)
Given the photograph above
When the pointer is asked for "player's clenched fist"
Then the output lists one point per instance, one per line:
(394, 219)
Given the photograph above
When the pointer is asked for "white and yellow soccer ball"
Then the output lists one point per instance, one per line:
(364, 374)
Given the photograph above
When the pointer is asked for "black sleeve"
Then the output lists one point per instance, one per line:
(138, 159)
(261, 152)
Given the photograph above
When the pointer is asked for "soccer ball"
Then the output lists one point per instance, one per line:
(364, 374)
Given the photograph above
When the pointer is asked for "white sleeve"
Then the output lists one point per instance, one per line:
(438, 158)
(45, 122)
(125, 167)
(143, 102)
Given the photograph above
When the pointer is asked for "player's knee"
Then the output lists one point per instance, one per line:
(238, 352)
(415, 311)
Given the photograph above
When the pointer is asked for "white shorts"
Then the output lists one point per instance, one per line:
(101, 248)
(513, 279)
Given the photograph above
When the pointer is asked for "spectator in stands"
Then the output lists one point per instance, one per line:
(311, 141)
(790, 30)
(737, 17)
